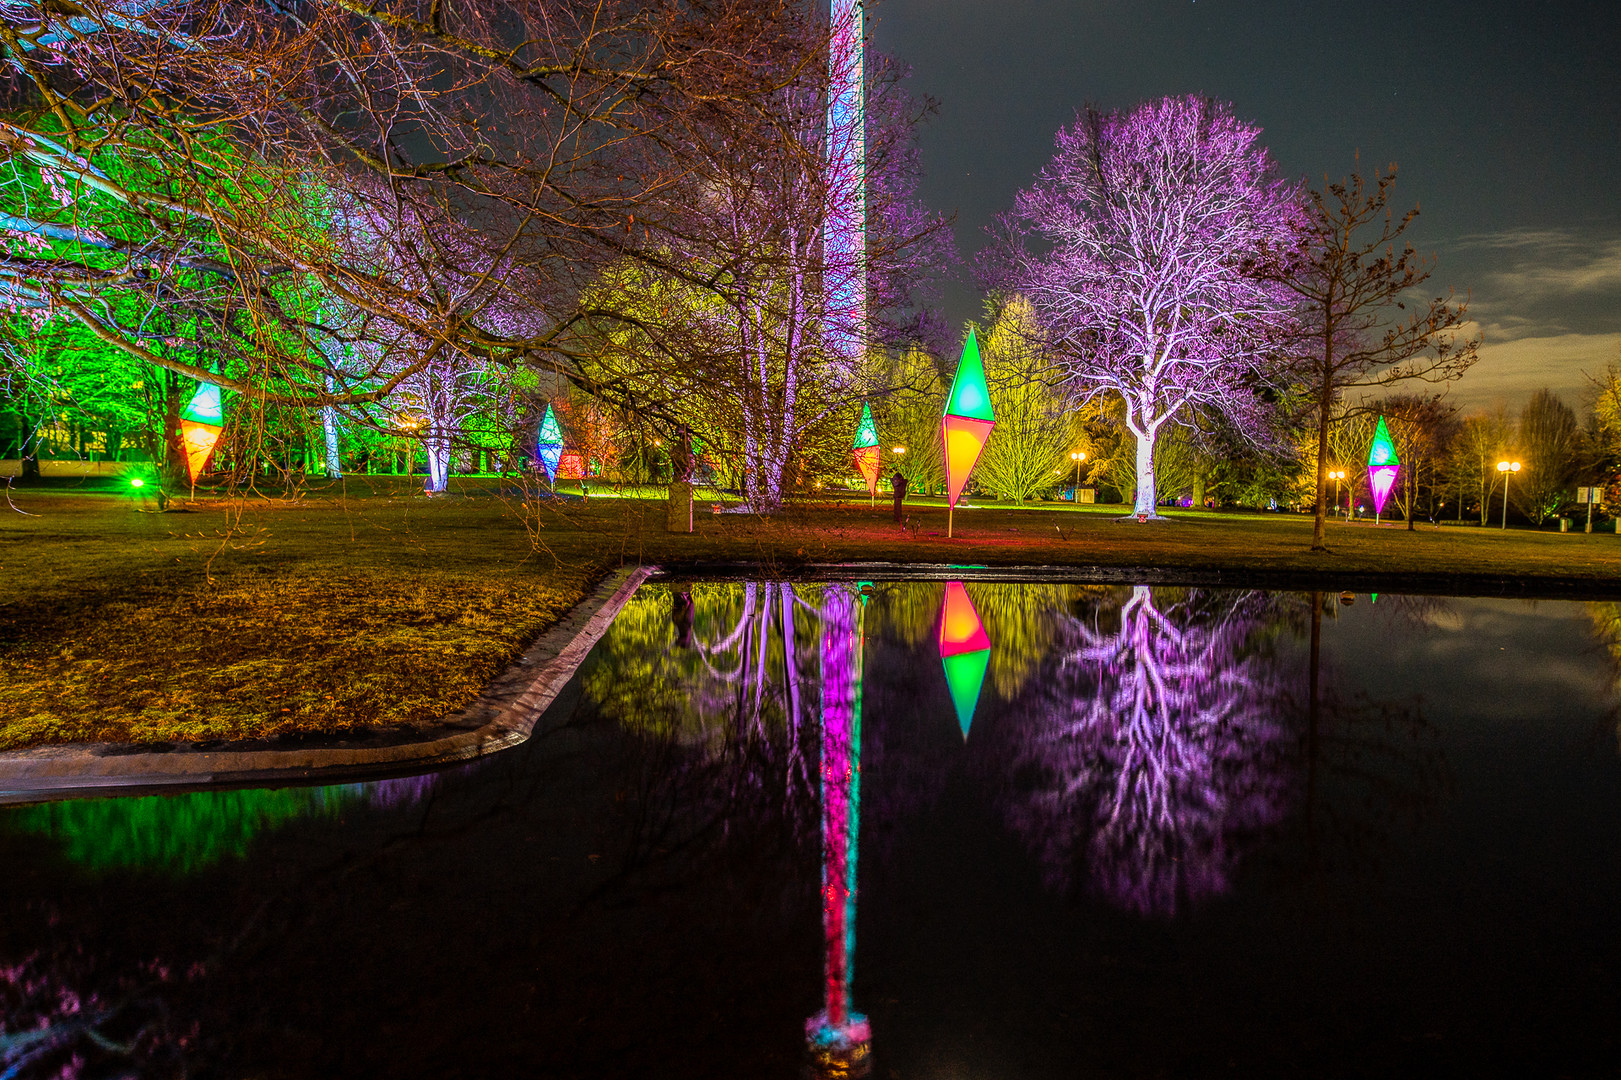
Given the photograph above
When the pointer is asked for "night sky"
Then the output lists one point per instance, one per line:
(1502, 116)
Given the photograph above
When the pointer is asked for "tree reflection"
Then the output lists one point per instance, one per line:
(61, 1016)
(1372, 765)
(737, 692)
(181, 834)
(1605, 616)
(1156, 748)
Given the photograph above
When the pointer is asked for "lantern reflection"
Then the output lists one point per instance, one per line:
(965, 652)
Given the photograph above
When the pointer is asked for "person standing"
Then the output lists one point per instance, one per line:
(897, 484)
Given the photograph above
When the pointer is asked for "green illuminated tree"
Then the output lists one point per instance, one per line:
(1028, 450)
(908, 417)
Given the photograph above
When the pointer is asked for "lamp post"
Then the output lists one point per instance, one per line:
(1077, 456)
(1506, 468)
(1337, 476)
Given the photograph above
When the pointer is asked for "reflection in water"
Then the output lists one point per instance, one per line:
(839, 1038)
(1606, 619)
(1156, 746)
(1372, 766)
(965, 652)
(185, 833)
(660, 848)
(62, 1017)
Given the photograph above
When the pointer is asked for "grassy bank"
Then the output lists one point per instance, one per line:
(374, 606)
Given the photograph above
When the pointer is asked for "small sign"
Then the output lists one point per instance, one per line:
(1086, 495)
(1586, 495)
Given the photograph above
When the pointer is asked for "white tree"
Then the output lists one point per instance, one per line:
(1149, 223)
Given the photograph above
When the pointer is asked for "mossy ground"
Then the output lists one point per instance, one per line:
(371, 606)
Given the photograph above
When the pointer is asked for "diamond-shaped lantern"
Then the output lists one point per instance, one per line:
(1383, 465)
(967, 423)
(200, 424)
(549, 445)
(868, 455)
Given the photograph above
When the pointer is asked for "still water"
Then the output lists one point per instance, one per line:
(905, 830)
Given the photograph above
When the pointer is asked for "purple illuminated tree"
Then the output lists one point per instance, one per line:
(1136, 246)
(1157, 747)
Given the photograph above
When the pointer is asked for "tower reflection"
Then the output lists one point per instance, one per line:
(839, 1039)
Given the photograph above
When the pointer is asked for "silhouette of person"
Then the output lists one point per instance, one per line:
(898, 484)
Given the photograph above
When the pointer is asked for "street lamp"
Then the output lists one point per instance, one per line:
(1506, 468)
(1337, 476)
(897, 449)
(1077, 456)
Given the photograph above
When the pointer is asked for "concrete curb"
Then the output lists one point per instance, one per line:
(503, 716)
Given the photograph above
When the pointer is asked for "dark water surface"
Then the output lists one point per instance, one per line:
(937, 831)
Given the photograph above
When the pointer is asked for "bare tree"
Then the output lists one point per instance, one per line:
(1483, 439)
(1552, 442)
(172, 163)
(1356, 330)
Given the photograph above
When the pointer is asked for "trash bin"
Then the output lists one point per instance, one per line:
(1564, 524)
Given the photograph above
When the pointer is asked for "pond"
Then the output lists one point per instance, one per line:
(897, 829)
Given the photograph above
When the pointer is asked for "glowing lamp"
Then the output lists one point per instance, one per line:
(549, 445)
(868, 454)
(965, 652)
(967, 423)
(200, 424)
(1383, 465)
(137, 482)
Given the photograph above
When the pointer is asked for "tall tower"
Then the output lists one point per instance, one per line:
(845, 236)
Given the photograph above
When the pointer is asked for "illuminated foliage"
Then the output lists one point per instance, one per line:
(220, 162)
(1028, 451)
(910, 417)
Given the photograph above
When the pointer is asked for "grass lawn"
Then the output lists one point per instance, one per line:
(371, 605)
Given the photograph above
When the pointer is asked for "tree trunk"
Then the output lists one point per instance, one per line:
(437, 444)
(329, 428)
(1412, 495)
(1198, 491)
(1145, 501)
(1319, 526)
(28, 449)
(173, 466)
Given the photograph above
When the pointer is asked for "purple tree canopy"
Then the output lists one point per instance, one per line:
(1137, 246)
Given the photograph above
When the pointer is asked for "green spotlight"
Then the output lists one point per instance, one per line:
(137, 482)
